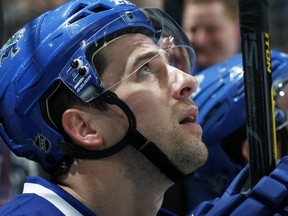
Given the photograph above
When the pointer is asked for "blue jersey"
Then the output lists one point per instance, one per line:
(41, 197)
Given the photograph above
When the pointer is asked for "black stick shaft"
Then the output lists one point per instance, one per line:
(255, 42)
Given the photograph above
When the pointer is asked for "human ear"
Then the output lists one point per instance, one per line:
(79, 126)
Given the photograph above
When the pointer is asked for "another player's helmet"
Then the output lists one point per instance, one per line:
(280, 81)
(58, 46)
(222, 115)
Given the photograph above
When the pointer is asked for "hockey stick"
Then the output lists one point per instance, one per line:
(255, 43)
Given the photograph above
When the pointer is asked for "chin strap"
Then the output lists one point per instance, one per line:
(74, 151)
(132, 137)
(156, 156)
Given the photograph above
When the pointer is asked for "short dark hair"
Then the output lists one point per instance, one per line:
(58, 99)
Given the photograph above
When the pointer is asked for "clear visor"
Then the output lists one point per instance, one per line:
(134, 44)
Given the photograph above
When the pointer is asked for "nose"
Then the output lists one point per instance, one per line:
(184, 84)
(199, 38)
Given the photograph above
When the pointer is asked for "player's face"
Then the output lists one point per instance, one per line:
(213, 35)
(160, 96)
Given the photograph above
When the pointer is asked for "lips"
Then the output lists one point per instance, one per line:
(190, 116)
(187, 120)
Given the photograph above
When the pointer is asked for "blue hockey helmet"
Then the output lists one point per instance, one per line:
(280, 86)
(222, 115)
(58, 46)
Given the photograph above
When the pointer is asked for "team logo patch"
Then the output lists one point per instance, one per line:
(121, 2)
(11, 46)
(42, 143)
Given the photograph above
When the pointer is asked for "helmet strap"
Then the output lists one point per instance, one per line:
(132, 137)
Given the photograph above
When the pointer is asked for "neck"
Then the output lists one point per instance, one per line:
(118, 187)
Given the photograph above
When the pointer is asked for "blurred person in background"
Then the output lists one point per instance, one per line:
(278, 16)
(19, 12)
(213, 29)
(149, 3)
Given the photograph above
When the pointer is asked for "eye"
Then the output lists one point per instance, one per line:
(144, 70)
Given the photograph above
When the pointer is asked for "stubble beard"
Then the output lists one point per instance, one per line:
(188, 156)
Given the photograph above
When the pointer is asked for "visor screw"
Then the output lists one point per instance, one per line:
(83, 71)
(130, 15)
(75, 63)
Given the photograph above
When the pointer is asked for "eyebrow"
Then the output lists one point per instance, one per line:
(146, 56)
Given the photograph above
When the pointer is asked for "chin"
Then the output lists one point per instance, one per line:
(196, 164)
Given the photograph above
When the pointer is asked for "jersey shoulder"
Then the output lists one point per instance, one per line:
(29, 204)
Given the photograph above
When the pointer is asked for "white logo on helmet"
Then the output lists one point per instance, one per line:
(121, 2)
(82, 82)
